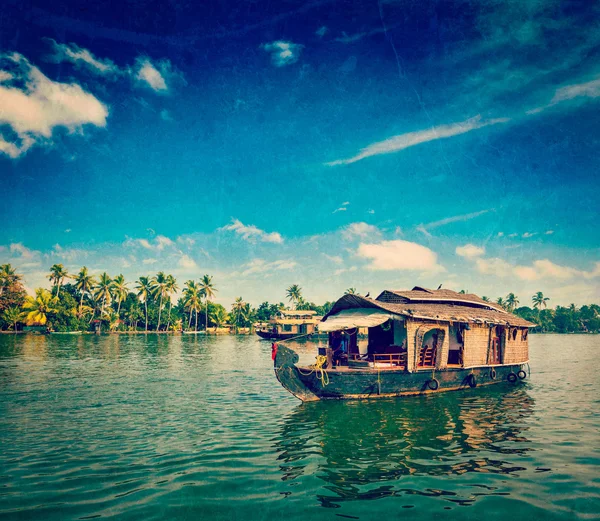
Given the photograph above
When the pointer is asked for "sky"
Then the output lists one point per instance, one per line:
(326, 144)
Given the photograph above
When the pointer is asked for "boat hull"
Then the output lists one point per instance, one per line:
(333, 384)
(267, 335)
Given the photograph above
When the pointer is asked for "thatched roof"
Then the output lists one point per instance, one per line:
(439, 305)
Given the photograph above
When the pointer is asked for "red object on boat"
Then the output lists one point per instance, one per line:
(273, 351)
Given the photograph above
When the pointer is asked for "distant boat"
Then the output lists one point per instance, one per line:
(289, 324)
(66, 332)
(420, 341)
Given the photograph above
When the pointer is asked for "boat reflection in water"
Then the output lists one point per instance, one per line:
(371, 450)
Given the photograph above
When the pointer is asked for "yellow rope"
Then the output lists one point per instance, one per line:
(318, 369)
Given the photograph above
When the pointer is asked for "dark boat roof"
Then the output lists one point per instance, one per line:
(439, 305)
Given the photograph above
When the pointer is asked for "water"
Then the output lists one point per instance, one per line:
(130, 427)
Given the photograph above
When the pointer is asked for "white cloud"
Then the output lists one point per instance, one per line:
(23, 251)
(340, 209)
(361, 230)
(187, 262)
(35, 107)
(549, 232)
(252, 233)
(346, 203)
(321, 31)
(5, 76)
(410, 139)
(590, 89)
(500, 234)
(159, 243)
(527, 235)
(283, 53)
(148, 74)
(81, 58)
(399, 255)
(493, 266)
(149, 261)
(470, 251)
(68, 254)
(165, 115)
(371, 211)
(262, 266)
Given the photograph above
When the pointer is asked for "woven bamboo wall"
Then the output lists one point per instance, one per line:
(476, 345)
(515, 350)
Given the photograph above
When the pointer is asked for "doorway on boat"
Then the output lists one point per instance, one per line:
(497, 345)
(456, 344)
(429, 348)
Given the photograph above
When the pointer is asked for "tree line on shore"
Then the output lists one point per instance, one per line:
(79, 302)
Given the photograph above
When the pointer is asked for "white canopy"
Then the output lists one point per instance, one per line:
(358, 317)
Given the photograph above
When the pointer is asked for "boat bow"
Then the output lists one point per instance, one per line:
(287, 373)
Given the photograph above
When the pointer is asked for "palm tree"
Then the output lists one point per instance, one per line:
(191, 293)
(350, 291)
(218, 316)
(485, 299)
(193, 301)
(12, 315)
(36, 309)
(103, 290)
(8, 276)
(170, 287)
(84, 283)
(159, 285)
(58, 273)
(500, 302)
(238, 308)
(119, 289)
(511, 302)
(144, 288)
(207, 289)
(539, 301)
(294, 294)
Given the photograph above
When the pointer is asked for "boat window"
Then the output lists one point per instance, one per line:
(514, 333)
(524, 334)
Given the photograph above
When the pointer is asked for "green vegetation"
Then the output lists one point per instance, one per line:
(150, 306)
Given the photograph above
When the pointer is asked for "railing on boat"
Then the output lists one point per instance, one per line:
(396, 360)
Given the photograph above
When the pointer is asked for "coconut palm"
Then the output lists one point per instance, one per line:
(144, 288)
(58, 273)
(511, 302)
(103, 291)
(192, 301)
(159, 290)
(12, 315)
(208, 290)
(8, 276)
(36, 309)
(84, 282)
(500, 302)
(238, 310)
(350, 291)
(294, 294)
(171, 287)
(119, 290)
(191, 294)
(485, 299)
(539, 301)
(218, 316)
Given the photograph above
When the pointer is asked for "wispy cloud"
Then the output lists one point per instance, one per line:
(252, 233)
(262, 266)
(283, 53)
(33, 105)
(589, 89)
(149, 75)
(80, 57)
(410, 139)
(158, 243)
(424, 228)
(340, 209)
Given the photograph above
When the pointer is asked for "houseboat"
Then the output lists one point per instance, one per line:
(290, 324)
(419, 341)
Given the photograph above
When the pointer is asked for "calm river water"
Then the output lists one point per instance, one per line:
(157, 427)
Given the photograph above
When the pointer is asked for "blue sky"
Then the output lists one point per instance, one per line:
(325, 144)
